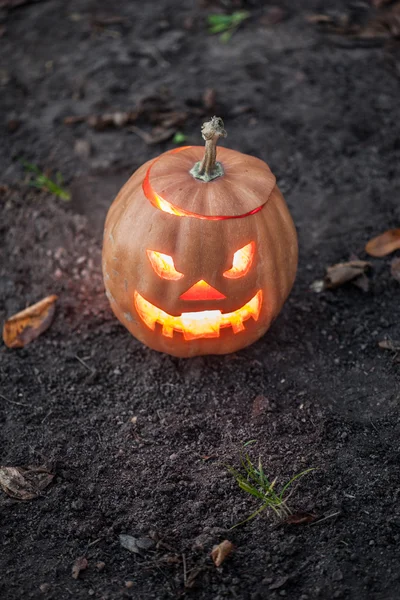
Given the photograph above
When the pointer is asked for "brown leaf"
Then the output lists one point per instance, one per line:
(389, 345)
(22, 328)
(24, 483)
(79, 565)
(221, 552)
(384, 244)
(395, 268)
(341, 273)
(362, 282)
(301, 518)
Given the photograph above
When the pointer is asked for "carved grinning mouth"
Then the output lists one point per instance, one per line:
(201, 324)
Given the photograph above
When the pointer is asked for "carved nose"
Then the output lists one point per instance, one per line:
(202, 291)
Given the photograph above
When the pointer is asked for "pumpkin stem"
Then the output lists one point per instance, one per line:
(208, 168)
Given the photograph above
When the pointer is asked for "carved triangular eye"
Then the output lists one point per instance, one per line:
(242, 260)
(163, 265)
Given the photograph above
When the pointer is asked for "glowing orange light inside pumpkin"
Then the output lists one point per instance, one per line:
(162, 204)
(241, 263)
(202, 291)
(195, 325)
(164, 265)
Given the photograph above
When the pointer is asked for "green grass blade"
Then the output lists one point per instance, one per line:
(246, 487)
(226, 36)
(217, 28)
(249, 442)
(298, 476)
(252, 516)
(239, 16)
(219, 19)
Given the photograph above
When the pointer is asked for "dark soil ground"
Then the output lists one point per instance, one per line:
(316, 391)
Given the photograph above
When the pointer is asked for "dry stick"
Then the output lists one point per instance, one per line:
(209, 169)
(184, 569)
(13, 401)
(325, 518)
(83, 363)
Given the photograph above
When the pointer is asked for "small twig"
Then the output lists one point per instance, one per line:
(184, 569)
(13, 401)
(327, 517)
(92, 544)
(45, 417)
(84, 364)
(154, 53)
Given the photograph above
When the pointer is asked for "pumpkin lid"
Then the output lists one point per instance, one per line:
(244, 187)
(239, 186)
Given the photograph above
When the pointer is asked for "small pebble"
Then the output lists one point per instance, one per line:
(82, 148)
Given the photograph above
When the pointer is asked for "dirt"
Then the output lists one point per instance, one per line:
(139, 441)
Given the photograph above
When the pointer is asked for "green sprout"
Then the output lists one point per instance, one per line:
(179, 138)
(41, 181)
(256, 483)
(226, 25)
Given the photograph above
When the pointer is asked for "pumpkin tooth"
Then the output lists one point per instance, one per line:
(204, 324)
(237, 322)
(147, 311)
(254, 306)
(167, 330)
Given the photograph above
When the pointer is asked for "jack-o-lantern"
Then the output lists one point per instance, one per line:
(199, 256)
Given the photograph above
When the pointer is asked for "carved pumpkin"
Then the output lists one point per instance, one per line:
(199, 256)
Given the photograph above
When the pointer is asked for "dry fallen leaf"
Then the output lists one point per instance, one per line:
(395, 268)
(24, 483)
(389, 345)
(341, 273)
(79, 565)
(22, 328)
(221, 552)
(384, 244)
